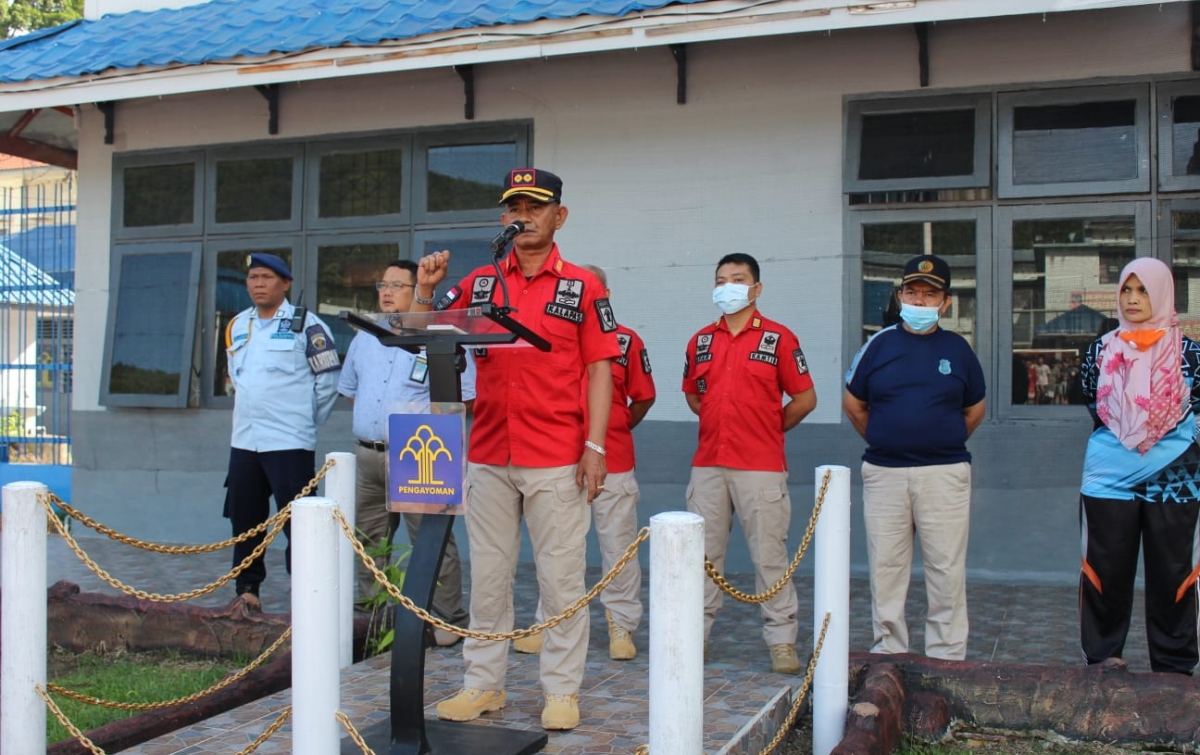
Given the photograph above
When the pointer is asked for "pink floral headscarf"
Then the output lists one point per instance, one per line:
(1140, 394)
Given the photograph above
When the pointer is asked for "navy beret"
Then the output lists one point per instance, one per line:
(272, 262)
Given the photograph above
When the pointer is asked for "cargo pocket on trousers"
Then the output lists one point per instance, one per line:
(775, 515)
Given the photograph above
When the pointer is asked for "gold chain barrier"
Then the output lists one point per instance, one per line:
(553, 621)
(793, 712)
(280, 519)
(66, 722)
(790, 721)
(90, 745)
(231, 679)
(112, 534)
(268, 732)
(774, 589)
(353, 732)
(272, 526)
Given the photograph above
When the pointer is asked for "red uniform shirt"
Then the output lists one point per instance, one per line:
(741, 381)
(527, 408)
(632, 381)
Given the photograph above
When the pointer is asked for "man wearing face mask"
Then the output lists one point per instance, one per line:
(736, 375)
(915, 393)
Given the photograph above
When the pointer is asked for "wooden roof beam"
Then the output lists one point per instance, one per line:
(43, 153)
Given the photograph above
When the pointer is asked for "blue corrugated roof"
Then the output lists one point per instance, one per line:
(225, 29)
(23, 283)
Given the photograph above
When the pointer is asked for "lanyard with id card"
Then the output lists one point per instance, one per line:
(420, 369)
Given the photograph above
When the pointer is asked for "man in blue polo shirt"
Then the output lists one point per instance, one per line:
(915, 393)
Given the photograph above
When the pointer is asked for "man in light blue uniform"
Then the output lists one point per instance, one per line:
(283, 367)
(381, 380)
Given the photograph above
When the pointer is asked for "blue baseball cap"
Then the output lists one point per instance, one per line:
(272, 262)
(929, 268)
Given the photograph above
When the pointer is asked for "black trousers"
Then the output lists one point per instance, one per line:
(253, 479)
(1164, 524)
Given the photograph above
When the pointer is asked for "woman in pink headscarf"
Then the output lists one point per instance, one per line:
(1141, 476)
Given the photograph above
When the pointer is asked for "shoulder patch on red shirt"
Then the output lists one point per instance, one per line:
(624, 340)
(645, 354)
(801, 362)
(608, 322)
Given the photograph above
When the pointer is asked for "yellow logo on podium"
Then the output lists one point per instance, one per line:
(425, 469)
(425, 447)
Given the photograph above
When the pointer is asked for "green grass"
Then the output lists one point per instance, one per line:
(127, 678)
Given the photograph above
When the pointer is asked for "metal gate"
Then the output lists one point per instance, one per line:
(37, 303)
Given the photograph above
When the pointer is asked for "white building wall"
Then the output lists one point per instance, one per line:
(18, 386)
(658, 191)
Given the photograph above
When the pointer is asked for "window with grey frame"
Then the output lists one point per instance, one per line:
(1049, 268)
(917, 148)
(1061, 142)
(1178, 107)
(151, 325)
(345, 206)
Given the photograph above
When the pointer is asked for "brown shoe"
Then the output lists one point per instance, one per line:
(620, 641)
(531, 645)
(470, 704)
(561, 712)
(784, 659)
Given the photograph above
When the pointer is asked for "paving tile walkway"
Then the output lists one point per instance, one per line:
(1009, 623)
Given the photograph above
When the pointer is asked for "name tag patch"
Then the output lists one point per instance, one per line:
(758, 356)
(564, 313)
(420, 370)
(702, 358)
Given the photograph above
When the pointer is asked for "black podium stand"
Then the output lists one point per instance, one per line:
(408, 733)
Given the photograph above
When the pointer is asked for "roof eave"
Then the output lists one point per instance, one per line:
(528, 41)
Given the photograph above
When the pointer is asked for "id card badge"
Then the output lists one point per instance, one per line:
(420, 369)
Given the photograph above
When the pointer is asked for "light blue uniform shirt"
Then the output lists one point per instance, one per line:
(278, 398)
(384, 380)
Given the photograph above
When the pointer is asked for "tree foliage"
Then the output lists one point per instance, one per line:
(23, 16)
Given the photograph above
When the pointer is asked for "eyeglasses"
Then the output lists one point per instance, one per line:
(381, 285)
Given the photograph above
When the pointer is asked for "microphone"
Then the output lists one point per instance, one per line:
(504, 237)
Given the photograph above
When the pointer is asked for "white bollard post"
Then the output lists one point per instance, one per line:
(340, 486)
(677, 633)
(831, 594)
(23, 609)
(316, 689)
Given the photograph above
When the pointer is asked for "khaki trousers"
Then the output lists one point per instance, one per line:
(557, 517)
(378, 525)
(615, 514)
(935, 502)
(764, 509)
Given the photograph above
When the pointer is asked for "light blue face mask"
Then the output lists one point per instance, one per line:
(919, 319)
(731, 298)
